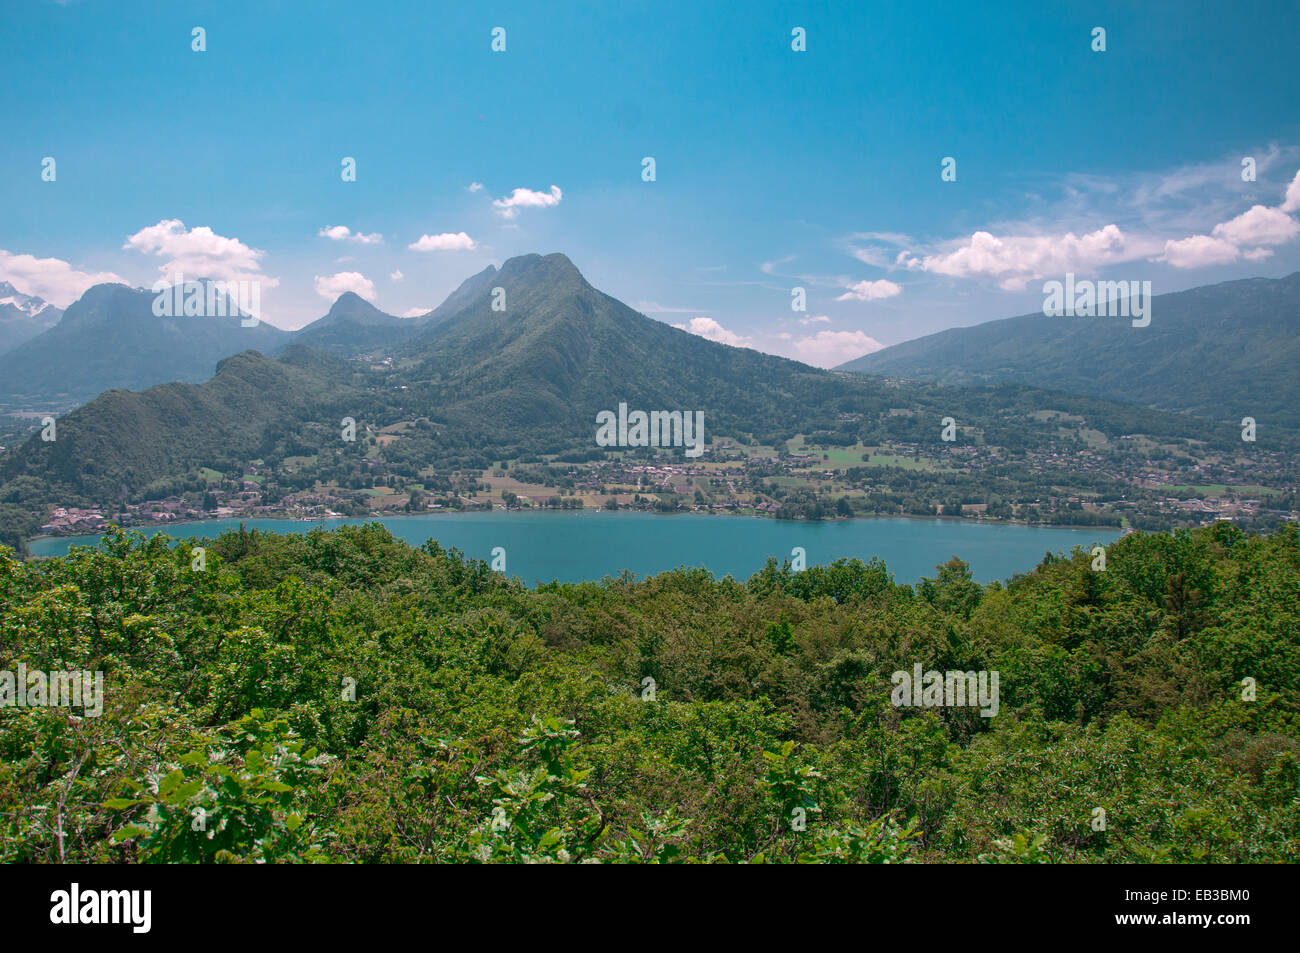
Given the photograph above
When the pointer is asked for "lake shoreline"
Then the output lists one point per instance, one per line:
(380, 518)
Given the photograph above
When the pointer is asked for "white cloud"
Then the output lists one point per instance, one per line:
(415, 312)
(1199, 251)
(340, 233)
(509, 206)
(1258, 226)
(870, 291)
(1017, 259)
(475, 187)
(1292, 201)
(333, 286)
(447, 241)
(711, 329)
(815, 319)
(1177, 202)
(199, 253)
(397, 275)
(50, 279)
(830, 348)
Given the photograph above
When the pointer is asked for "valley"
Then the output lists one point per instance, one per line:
(799, 479)
(469, 408)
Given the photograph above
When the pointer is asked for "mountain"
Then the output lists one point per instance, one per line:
(22, 317)
(111, 339)
(533, 375)
(521, 375)
(1222, 351)
(121, 442)
(470, 289)
(560, 351)
(353, 326)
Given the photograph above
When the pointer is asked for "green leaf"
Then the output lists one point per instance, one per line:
(186, 791)
(131, 830)
(170, 783)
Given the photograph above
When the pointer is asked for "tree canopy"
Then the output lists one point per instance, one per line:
(342, 697)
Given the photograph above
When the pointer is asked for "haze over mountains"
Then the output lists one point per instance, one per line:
(1222, 351)
(110, 339)
(22, 317)
(537, 371)
(488, 384)
(354, 326)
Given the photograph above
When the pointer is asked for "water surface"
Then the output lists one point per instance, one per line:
(572, 546)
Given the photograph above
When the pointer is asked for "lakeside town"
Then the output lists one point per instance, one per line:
(1096, 486)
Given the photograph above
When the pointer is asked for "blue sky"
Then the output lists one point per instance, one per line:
(774, 168)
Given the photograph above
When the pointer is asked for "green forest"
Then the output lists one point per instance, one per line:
(342, 697)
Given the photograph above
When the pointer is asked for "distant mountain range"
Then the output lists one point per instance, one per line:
(353, 326)
(23, 317)
(536, 372)
(484, 384)
(110, 339)
(1223, 351)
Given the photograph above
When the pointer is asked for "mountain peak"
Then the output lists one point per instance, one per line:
(352, 325)
(535, 267)
(28, 304)
(470, 289)
(352, 305)
(352, 309)
(347, 297)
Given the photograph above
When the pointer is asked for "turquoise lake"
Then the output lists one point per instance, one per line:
(590, 544)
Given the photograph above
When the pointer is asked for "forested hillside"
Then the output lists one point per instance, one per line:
(1221, 351)
(469, 389)
(340, 696)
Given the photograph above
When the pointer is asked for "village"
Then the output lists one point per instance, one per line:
(796, 481)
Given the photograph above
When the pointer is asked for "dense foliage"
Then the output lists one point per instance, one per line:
(340, 696)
